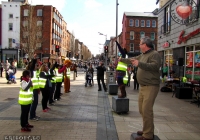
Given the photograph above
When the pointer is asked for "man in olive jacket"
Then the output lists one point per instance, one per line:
(148, 64)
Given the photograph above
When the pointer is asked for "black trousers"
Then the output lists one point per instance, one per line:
(135, 83)
(52, 91)
(34, 104)
(1, 71)
(24, 115)
(101, 78)
(45, 97)
(57, 92)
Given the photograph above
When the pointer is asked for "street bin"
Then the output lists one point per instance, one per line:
(110, 78)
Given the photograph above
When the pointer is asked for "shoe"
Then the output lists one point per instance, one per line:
(25, 129)
(45, 110)
(142, 138)
(35, 119)
(48, 108)
(105, 90)
(99, 89)
(139, 133)
(29, 126)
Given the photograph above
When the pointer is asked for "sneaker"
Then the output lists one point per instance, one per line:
(25, 129)
(29, 126)
(45, 110)
(35, 119)
(48, 108)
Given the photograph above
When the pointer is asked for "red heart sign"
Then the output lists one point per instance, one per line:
(184, 11)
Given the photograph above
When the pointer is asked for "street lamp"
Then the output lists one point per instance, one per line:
(103, 46)
(116, 29)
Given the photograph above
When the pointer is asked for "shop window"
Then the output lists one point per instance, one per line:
(131, 22)
(131, 35)
(148, 23)
(136, 23)
(39, 34)
(131, 47)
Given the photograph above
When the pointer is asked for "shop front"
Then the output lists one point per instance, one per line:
(9, 54)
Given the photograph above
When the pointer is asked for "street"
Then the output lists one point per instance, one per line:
(86, 114)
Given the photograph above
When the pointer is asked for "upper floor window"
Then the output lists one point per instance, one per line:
(131, 35)
(166, 26)
(142, 34)
(25, 23)
(142, 23)
(25, 34)
(39, 23)
(10, 41)
(25, 12)
(148, 23)
(39, 12)
(131, 22)
(153, 23)
(10, 26)
(152, 36)
(136, 23)
(10, 15)
(131, 47)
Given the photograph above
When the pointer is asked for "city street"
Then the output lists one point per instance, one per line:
(86, 114)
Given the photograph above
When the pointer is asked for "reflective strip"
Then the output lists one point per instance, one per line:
(42, 82)
(121, 66)
(59, 76)
(125, 78)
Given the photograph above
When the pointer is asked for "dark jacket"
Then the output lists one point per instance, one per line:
(100, 70)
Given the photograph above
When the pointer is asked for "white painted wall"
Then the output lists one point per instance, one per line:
(10, 8)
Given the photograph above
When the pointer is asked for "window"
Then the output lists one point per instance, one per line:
(4, 5)
(194, 15)
(131, 22)
(153, 23)
(25, 45)
(131, 47)
(25, 23)
(148, 23)
(15, 5)
(152, 36)
(10, 26)
(39, 34)
(10, 5)
(10, 42)
(10, 15)
(38, 45)
(142, 34)
(39, 23)
(25, 12)
(39, 12)
(25, 34)
(165, 28)
(131, 35)
(136, 23)
(142, 23)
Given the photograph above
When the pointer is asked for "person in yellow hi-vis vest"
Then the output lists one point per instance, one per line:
(25, 99)
(68, 64)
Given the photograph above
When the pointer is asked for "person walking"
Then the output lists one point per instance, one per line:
(91, 70)
(100, 76)
(148, 64)
(6, 67)
(1, 68)
(25, 100)
(164, 70)
(135, 82)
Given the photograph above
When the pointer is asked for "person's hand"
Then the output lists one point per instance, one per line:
(134, 62)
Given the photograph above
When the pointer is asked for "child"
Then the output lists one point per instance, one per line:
(25, 100)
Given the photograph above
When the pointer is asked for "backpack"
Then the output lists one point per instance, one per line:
(166, 89)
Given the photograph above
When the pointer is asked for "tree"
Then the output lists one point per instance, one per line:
(31, 30)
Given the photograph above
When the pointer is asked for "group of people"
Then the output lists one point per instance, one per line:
(38, 77)
(10, 70)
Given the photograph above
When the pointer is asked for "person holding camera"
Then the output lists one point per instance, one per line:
(100, 76)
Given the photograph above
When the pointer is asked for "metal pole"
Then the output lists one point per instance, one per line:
(106, 54)
(116, 28)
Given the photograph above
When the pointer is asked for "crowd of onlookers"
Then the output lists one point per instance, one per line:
(10, 69)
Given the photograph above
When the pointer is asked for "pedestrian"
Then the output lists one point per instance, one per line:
(59, 78)
(12, 70)
(164, 70)
(91, 70)
(135, 82)
(100, 76)
(75, 69)
(25, 100)
(34, 69)
(148, 64)
(45, 86)
(6, 67)
(1, 68)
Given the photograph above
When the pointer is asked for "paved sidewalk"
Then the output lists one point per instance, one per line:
(86, 114)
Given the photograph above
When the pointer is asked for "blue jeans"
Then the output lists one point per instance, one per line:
(34, 104)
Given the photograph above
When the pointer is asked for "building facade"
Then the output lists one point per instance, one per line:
(178, 37)
(137, 25)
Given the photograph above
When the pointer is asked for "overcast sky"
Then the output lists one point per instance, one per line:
(85, 18)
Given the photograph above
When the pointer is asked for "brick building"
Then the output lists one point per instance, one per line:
(136, 25)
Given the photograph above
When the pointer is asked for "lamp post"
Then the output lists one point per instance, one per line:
(116, 29)
(103, 46)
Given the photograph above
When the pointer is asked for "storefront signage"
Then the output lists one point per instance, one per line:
(166, 45)
(184, 11)
(184, 39)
